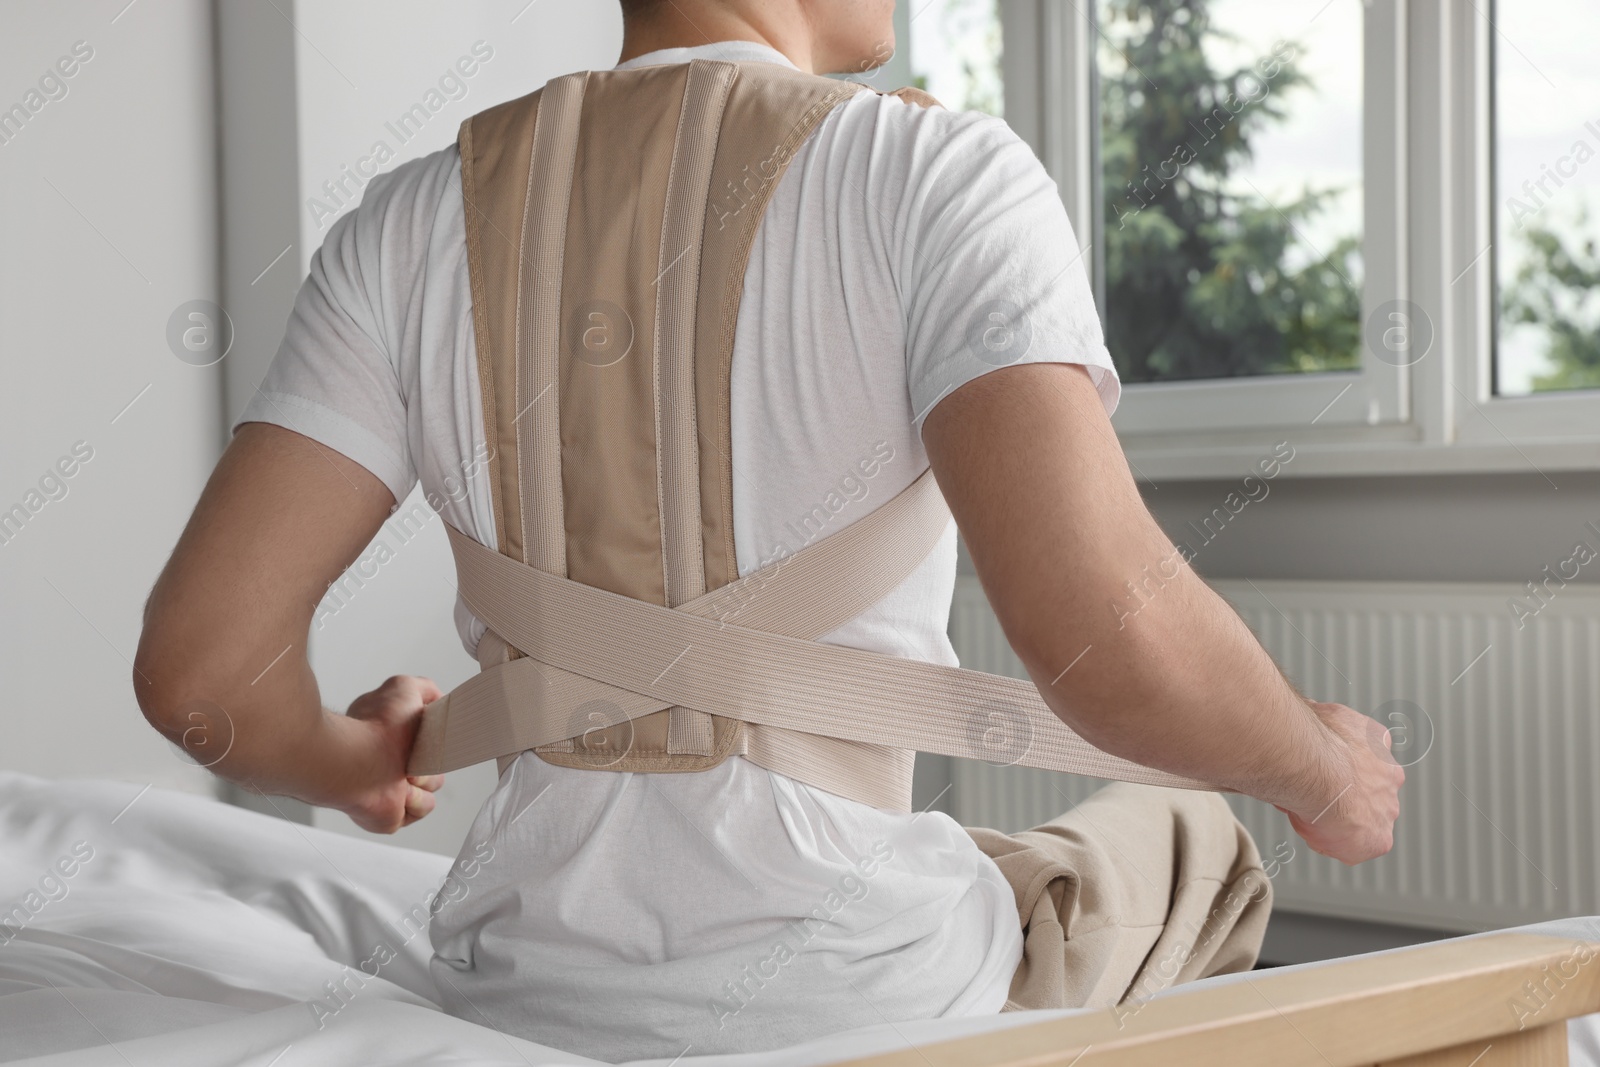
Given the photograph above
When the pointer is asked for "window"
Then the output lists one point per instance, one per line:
(1230, 167)
(1371, 227)
(1546, 117)
(1230, 170)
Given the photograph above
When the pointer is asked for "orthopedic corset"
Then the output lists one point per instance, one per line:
(610, 216)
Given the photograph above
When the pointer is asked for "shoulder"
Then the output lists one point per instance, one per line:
(910, 144)
(392, 203)
(388, 233)
(375, 252)
(911, 117)
(406, 197)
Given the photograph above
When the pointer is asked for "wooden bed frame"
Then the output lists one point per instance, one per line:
(1499, 1001)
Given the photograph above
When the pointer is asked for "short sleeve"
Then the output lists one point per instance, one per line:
(335, 377)
(991, 272)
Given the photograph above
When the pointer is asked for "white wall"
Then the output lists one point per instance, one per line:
(177, 167)
(107, 224)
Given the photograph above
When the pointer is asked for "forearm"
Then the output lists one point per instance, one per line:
(221, 668)
(1173, 679)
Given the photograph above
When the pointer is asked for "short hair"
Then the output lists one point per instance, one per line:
(636, 8)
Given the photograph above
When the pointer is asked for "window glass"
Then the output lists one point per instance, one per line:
(1547, 195)
(1230, 159)
(955, 53)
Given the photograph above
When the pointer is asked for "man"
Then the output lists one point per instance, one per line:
(626, 915)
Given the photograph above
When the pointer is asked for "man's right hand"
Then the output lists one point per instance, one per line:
(1354, 820)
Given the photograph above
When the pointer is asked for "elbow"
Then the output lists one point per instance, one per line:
(179, 701)
(1107, 675)
(1068, 664)
(169, 684)
(1062, 631)
(156, 679)
(157, 685)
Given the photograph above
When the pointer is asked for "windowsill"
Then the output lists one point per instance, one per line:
(1344, 452)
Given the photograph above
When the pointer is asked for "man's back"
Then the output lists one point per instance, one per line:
(891, 243)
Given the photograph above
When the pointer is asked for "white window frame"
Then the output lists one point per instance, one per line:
(1426, 231)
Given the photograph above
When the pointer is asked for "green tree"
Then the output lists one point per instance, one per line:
(1554, 289)
(1203, 281)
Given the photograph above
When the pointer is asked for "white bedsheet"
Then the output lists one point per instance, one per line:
(196, 933)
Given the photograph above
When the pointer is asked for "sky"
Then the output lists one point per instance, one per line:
(947, 35)
(1318, 142)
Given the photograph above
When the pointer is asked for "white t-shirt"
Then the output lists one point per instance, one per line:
(904, 252)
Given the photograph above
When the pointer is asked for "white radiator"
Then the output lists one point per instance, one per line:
(1499, 724)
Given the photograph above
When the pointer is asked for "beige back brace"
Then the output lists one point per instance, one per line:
(610, 216)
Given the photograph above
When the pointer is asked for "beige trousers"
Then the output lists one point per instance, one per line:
(1136, 889)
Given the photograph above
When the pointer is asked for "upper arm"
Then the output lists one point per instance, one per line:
(318, 460)
(349, 352)
(279, 520)
(1032, 470)
(1012, 387)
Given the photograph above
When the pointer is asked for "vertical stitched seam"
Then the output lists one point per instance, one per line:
(550, 429)
(518, 345)
(669, 545)
(673, 596)
(480, 316)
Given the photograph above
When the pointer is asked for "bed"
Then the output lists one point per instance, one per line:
(147, 927)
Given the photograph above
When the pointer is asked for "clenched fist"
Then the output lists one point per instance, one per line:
(1352, 819)
(375, 738)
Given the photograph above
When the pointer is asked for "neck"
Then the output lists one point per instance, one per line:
(686, 25)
